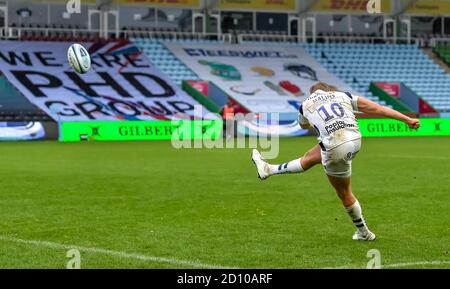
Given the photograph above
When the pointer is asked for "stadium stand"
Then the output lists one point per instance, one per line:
(330, 56)
(361, 64)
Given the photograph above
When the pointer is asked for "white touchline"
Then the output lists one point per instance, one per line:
(174, 261)
(411, 157)
(118, 254)
(397, 265)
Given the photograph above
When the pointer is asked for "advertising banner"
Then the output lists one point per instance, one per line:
(201, 86)
(390, 93)
(349, 6)
(260, 78)
(162, 3)
(212, 129)
(15, 131)
(122, 84)
(82, 2)
(141, 130)
(278, 5)
(430, 7)
(392, 88)
(389, 127)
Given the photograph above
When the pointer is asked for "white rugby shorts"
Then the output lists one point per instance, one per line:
(337, 162)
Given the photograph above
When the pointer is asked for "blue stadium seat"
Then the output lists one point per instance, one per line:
(163, 59)
(385, 62)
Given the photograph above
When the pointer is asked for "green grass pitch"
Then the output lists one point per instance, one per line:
(152, 206)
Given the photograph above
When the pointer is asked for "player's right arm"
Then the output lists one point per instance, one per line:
(370, 107)
(303, 121)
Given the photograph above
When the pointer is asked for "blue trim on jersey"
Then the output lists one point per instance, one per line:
(348, 94)
(300, 109)
(322, 147)
(318, 131)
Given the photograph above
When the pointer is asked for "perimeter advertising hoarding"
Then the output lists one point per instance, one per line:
(349, 6)
(212, 129)
(140, 130)
(269, 5)
(162, 3)
(429, 7)
(389, 127)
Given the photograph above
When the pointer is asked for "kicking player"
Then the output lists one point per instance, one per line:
(331, 113)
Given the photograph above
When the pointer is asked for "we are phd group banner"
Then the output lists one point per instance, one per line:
(123, 84)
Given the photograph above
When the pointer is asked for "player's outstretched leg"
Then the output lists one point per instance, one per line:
(265, 170)
(352, 207)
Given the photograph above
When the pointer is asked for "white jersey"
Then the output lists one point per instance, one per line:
(331, 114)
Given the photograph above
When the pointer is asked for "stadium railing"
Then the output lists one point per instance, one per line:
(68, 33)
(439, 40)
(176, 35)
(241, 38)
(21, 115)
(17, 33)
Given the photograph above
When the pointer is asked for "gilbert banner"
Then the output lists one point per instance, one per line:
(261, 78)
(122, 84)
(162, 3)
(278, 5)
(390, 127)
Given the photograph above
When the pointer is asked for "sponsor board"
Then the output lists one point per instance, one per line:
(350, 6)
(140, 130)
(272, 5)
(200, 86)
(389, 127)
(161, 3)
(429, 7)
(212, 129)
(122, 84)
(67, 1)
(262, 79)
(18, 131)
(393, 89)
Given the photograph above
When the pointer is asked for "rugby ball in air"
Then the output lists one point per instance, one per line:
(79, 58)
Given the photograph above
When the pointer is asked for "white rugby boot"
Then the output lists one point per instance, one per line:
(366, 236)
(261, 165)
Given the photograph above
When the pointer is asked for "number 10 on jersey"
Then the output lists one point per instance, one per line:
(333, 110)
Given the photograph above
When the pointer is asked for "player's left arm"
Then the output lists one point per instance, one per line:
(370, 107)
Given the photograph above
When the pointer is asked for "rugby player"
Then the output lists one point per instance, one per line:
(331, 113)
